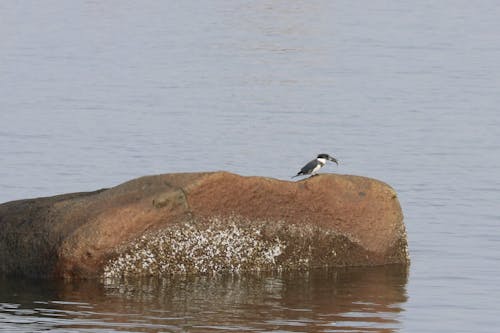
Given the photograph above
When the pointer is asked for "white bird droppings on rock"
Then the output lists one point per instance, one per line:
(198, 247)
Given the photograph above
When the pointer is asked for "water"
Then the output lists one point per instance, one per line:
(319, 301)
(95, 93)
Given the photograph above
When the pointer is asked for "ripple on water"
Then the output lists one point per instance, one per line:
(307, 301)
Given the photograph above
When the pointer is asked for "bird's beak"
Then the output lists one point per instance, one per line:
(333, 160)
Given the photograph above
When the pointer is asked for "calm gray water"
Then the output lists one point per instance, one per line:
(94, 93)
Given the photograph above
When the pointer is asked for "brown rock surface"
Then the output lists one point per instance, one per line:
(201, 222)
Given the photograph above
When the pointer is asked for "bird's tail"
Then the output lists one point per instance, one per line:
(296, 175)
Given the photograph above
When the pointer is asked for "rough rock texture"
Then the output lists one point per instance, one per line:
(204, 222)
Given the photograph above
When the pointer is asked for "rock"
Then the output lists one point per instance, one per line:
(202, 223)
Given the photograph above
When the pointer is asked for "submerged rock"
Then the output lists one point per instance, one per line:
(203, 223)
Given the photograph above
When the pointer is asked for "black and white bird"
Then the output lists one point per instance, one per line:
(313, 166)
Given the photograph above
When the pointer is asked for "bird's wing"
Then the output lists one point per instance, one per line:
(308, 167)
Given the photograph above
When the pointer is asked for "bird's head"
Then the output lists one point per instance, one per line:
(328, 157)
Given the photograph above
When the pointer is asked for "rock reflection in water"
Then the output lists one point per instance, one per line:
(348, 299)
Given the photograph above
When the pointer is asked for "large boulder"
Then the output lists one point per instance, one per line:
(204, 222)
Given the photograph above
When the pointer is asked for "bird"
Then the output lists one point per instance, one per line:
(313, 166)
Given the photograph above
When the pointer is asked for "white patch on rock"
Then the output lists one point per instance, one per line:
(217, 245)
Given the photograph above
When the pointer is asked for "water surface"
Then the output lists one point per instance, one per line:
(317, 301)
(95, 93)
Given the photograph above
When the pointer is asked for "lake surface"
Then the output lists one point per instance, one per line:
(316, 301)
(95, 93)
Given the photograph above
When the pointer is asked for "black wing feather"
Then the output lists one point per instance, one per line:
(306, 169)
